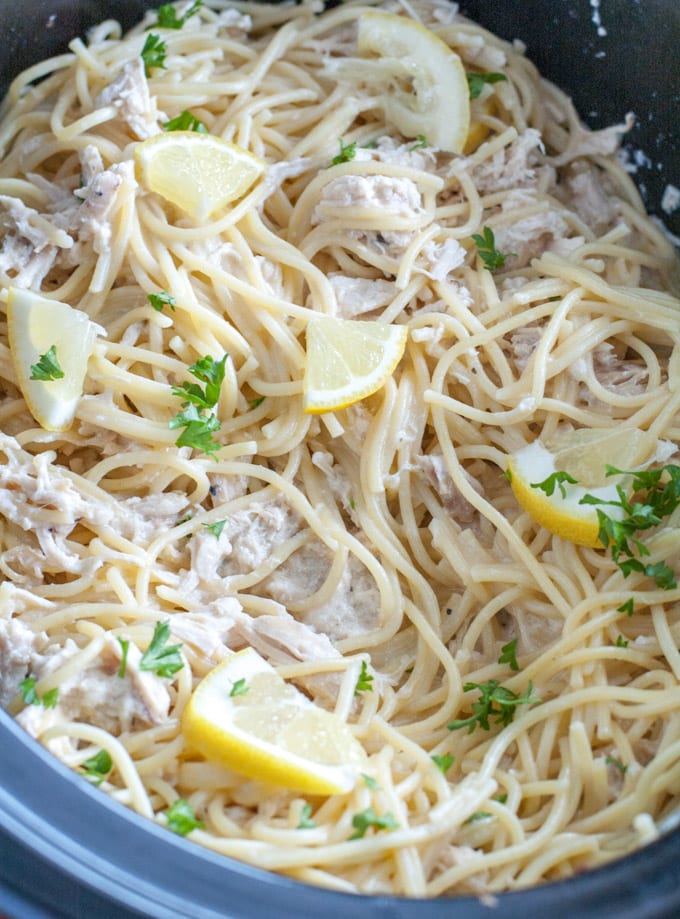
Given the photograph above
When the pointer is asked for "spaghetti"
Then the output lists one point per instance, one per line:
(383, 533)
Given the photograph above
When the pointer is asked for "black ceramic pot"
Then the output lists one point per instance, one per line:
(66, 850)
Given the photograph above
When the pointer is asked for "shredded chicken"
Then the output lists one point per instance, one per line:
(129, 93)
(18, 651)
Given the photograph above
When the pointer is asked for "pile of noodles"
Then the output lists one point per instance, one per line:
(385, 533)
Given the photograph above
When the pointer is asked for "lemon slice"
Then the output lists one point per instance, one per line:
(427, 89)
(244, 716)
(36, 324)
(583, 454)
(347, 360)
(199, 173)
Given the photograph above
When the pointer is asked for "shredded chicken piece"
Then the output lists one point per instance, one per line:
(514, 166)
(18, 650)
(129, 93)
(355, 295)
(394, 195)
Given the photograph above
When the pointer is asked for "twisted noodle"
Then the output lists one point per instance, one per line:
(388, 533)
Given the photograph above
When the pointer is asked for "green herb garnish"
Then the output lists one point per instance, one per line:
(621, 642)
(197, 430)
(185, 121)
(370, 782)
(509, 655)
(347, 153)
(31, 697)
(47, 366)
(153, 53)
(364, 681)
(216, 528)
(124, 648)
(97, 767)
(168, 19)
(161, 299)
(209, 372)
(160, 657)
(181, 818)
(238, 688)
(489, 254)
(477, 81)
(628, 607)
(444, 762)
(555, 480)
(495, 700)
(421, 144)
(613, 761)
(368, 818)
(306, 823)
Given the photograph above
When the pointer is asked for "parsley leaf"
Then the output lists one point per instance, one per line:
(613, 761)
(124, 647)
(197, 430)
(658, 491)
(627, 607)
(483, 815)
(97, 767)
(494, 700)
(443, 763)
(476, 82)
(161, 299)
(208, 371)
(161, 658)
(368, 818)
(347, 153)
(306, 823)
(153, 53)
(364, 681)
(47, 367)
(370, 782)
(621, 642)
(489, 254)
(181, 818)
(255, 403)
(168, 19)
(509, 655)
(421, 143)
(238, 688)
(185, 121)
(556, 480)
(216, 528)
(31, 697)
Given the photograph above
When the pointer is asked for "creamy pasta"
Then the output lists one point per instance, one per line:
(381, 537)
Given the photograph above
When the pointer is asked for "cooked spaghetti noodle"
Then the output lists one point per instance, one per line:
(384, 533)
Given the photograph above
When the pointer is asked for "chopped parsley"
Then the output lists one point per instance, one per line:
(124, 648)
(160, 657)
(477, 81)
(616, 763)
(181, 818)
(347, 153)
(484, 815)
(421, 142)
(161, 299)
(368, 818)
(489, 254)
(556, 480)
(628, 607)
(509, 655)
(47, 367)
(216, 528)
(364, 681)
(444, 762)
(495, 700)
(238, 688)
(306, 822)
(185, 121)
(198, 426)
(255, 403)
(97, 767)
(658, 491)
(168, 19)
(621, 642)
(370, 782)
(153, 53)
(197, 430)
(31, 697)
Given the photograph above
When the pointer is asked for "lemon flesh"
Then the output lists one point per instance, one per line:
(198, 173)
(34, 325)
(270, 731)
(427, 91)
(347, 360)
(563, 515)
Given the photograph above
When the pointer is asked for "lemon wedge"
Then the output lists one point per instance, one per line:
(347, 360)
(199, 173)
(427, 91)
(244, 716)
(584, 455)
(35, 325)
